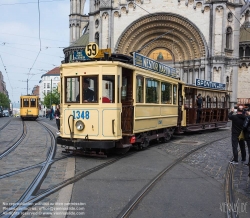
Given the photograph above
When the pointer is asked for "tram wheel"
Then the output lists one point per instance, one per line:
(167, 137)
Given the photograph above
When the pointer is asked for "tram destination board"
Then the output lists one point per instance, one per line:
(149, 64)
(210, 84)
(80, 55)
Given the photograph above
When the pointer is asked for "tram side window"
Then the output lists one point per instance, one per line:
(90, 89)
(25, 102)
(124, 87)
(72, 87)
(166, 93)
(32, 102)
(108, 89)
(139, 89)
(175, 94)
(152, 92)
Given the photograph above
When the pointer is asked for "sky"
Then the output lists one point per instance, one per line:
(29, 46)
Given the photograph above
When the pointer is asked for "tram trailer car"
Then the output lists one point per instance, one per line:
(115, 105)
(29, 107)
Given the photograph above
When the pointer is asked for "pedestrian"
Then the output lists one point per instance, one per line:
(246, 130)
(57, 115)
(199, 106)
(237, 126)
(51, 113)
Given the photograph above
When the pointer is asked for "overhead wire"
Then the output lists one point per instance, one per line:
(6, 72)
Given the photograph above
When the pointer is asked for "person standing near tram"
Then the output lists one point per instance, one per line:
(199, 106)
(57, 115)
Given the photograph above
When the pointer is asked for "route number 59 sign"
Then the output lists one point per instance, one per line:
(91, 50)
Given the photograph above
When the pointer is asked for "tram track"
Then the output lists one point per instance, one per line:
(128, 209)
(17, 208)
(6, 124)
(13, 146)
(231, 212)
(137, 198)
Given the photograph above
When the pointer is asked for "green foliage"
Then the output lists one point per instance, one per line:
(51, 98)
(4, 101)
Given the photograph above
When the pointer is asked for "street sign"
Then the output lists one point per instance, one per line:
(102, 51)
(91, 50)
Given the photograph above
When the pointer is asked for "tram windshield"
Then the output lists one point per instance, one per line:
(87, 94)
(108, 89)
(32, 102)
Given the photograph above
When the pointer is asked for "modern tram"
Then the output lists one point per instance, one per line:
(29, 107)
(125, 102)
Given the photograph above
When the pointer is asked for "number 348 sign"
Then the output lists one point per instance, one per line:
(92, 50)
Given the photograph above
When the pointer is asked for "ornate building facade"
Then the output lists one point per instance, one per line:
(200, 38)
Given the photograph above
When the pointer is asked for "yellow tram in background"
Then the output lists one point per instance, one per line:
(29, 107)
(116, 104)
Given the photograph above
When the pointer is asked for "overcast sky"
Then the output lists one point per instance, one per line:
(20, 43)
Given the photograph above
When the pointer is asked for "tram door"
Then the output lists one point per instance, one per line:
(127, 117)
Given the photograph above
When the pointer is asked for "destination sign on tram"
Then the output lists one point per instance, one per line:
(80, 55)
(210, 84)
(149, 64)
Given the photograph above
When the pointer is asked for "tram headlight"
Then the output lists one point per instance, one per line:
(80, 125)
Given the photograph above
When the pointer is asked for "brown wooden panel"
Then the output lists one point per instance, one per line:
(127, 118)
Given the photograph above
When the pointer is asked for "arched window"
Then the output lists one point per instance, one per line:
(247, 52)
(229, 38)
(97, 38)
(241, 52)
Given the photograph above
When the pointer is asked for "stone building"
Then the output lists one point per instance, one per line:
(48, 82)
(3, 85)
(200, 38)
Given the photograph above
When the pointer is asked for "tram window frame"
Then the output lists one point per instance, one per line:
(24, 102)
(93, 82)
(150, 96)
(31, 102)
(118, 89)
(139, 89)
(166, 98)
(175, 94)
(109, 86)
(73, 97)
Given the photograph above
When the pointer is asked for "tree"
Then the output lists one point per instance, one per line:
(51, 98)
(4, 101)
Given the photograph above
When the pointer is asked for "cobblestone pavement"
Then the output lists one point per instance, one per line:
(7, 133)
(33, 150)
(213, 160)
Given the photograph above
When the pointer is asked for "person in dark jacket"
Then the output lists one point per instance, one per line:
(199, 106)
(237, 126)
(246, 130)
(57, 115)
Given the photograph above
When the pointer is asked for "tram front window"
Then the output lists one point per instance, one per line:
(108, 89)
(90, 89)
(72, 87)
(25, 102)
(33, 102)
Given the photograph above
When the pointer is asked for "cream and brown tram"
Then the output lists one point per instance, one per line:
(113, 103)
(29, 107)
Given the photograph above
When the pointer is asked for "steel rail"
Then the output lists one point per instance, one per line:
(139, 196)
(21, 205)
(6, 124)
(231, 211)
(13, 147)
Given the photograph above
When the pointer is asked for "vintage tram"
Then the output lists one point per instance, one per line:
(29, 107)
(116, 104)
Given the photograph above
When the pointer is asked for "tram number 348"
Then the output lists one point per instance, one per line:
(81, 114)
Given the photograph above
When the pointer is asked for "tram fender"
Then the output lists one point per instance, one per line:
(86, 143)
